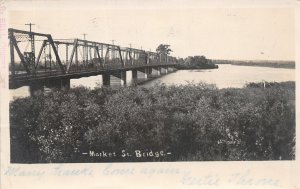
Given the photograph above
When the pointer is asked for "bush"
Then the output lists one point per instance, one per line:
(194, 122)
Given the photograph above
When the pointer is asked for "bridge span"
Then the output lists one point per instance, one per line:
(53, 62)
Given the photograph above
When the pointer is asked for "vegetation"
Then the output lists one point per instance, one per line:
(265, 63)
(191, 62)
(194, 122)
(163, 49)
(196, 62)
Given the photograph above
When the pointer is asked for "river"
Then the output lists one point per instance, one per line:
(225, 76)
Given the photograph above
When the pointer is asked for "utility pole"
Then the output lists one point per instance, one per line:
(84, 34)
(85, 52)
(130, 45)
(32, 56)
(30, 24)
(113, 49)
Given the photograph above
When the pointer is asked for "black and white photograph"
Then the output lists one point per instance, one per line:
(151, 85)
(200, 93)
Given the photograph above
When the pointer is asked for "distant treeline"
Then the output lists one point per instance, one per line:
(265, 63)
(195, 62)
(195, 122)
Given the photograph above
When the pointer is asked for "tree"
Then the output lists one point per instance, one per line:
(197, 62)
(163, 51)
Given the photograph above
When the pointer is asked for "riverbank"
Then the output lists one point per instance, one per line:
(196, 67)
(195, 62)
(271, 64)
(195, 122)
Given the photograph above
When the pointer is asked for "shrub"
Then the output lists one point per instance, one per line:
(194, 122)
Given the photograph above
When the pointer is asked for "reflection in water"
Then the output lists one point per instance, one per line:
(224, 77)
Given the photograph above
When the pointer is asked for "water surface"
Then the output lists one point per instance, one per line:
(226, 76)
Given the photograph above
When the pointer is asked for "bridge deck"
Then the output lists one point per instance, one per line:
(25, 79)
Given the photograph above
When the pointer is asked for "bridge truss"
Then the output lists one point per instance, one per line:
(56, 58)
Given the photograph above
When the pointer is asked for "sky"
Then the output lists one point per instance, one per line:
(217, 33)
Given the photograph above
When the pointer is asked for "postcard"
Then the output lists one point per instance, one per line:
(149, 94)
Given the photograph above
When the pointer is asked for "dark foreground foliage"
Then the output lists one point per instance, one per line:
(194, 122)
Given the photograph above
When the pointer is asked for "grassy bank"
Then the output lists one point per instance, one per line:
(272, 64)
(193, 122)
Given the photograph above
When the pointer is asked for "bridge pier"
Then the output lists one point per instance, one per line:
(141, 73)
(35, 88)
(118, 78)
(170, 69)
(134, 74)
(114, 79)
(149, 70)
(144, 72)
(106, 79)
(156, 71)
(164, 70)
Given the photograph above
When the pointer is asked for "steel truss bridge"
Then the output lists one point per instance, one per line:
(54, 62)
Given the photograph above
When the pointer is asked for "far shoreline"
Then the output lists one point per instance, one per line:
(270, 64)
